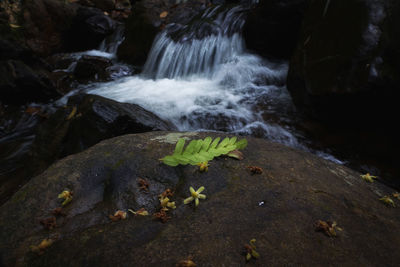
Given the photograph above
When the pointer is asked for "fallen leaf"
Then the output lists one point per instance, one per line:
(163, 14)
(236, 154)
(49, 223)
(186, 263)
(72, 114)
(14, 26)
(39, 249)
(327, 227)
(162, 216)
(388, 201)
(255, 169)
(118, 215)
(143, 184)
(58, 211)
(141, 212)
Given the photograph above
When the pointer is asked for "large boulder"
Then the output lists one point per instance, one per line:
(272, 27)
(344, 70)
(279, 208)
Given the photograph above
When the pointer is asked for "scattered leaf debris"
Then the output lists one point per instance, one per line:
(255, 169)
(167, 193)
(396, 195)
(40, 249)
(236, 154)
(195, 195)
(203, 166)
(58, 211)
(388, 201)
(165, 203)
(369, 178)
(72, 114)
(163, 14)
(327, 227)
(250, 250)
(186, 263)
(67, 196)
(118, 215)
(49, 223)
(162, 216)
(141, 212)
(143, 184)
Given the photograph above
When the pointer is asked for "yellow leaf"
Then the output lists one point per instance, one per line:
(14, 26)
(163, 14)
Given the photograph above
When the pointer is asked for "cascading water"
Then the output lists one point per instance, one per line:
(200, 77)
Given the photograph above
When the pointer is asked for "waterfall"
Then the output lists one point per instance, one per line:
(198, 48)
(199, 76)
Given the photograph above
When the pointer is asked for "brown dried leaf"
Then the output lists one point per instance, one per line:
(49, 223)
(236, 154)
(39, 249)
(143, 185)
(167, 193)
(255, 169)
(162, 216)
(72, 114)
(327, 227)
(118, 215)
(186, 263)
(58, 211)
(163, 14)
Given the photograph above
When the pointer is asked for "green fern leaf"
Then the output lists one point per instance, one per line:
(198, 151)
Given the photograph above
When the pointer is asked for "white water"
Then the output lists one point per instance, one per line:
(209, 83)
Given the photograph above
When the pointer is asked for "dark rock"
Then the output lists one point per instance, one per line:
(19, 84)
(87, 120)
(145, 22)
(92, 68)
(273, 26)
(65, 132)
(342, 67)
(106, 5)
(45, 24)
(88, 29)
(278, 208)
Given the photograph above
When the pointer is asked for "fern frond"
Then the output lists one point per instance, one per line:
(198, 151)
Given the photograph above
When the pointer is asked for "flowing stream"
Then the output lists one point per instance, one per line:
(200, 77)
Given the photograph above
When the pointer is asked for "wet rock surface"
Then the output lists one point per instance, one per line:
(149, 18)
(278, 207)
(29, 149)
(272, 27)
(341, 67)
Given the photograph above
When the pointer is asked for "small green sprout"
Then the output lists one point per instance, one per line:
(195, 196)
(67, 196)
(251, 250)
(388, 201)
(369, 178)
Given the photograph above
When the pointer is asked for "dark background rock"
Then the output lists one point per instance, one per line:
(92, 68)
(89, 27)
(272, 27)
(343, 66)
(95, 119)
(278, 208)
(341, 77)
(20, 84)
(145, 22)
